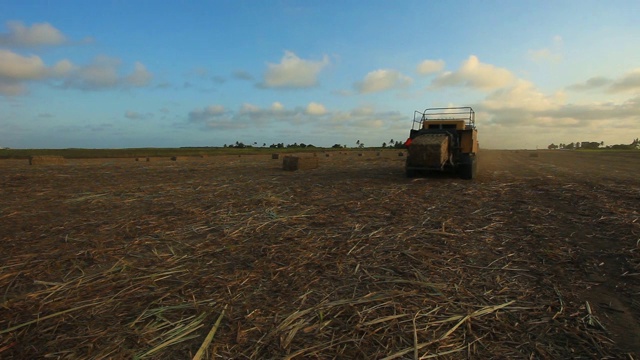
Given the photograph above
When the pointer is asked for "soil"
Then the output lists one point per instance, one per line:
(538, 257)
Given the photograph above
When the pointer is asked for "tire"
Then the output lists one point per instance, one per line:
(468, 168)
(410, 173)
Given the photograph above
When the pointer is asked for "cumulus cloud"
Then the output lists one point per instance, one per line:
(524, 109)
(629, 82)
(101, 73)
(206, 114)
(477, 75)
(199, 72)
(319, 120)
(430, 67)
(591, 83)
(218, 79)
(242, 75)
(41, 34)
(548, 54)
(12, 88)
(293, 72)
(383, 79)
(544, 55)
(247, 108)
(16, 70)
(363, 111)
(315, 109)
(523, 95)
(104, 73)
(139, 77)
(17, 67)
(277, 106)
(134, 115)
(588, 113)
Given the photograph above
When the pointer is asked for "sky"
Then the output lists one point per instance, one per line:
(127, 74)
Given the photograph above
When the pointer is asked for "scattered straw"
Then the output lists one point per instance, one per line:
(232, 258)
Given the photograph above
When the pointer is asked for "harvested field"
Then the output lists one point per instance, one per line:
(538, 258)
(46, 160)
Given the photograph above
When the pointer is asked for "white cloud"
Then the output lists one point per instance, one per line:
(522, 127)
(16, 70)
(477, 75)
(40, 34)
(430, 67)
(139, 77)
(363, 111)
(554, 53)
(523, 95)
(206, 114)
(62, 68)
(630, 82)
(330, 127)
(541, 118)
(242, 75)
(276, 106)
(383, 79)
(18, 67)
(315, 109)
(247, 108)
(591, 83)
(103, 73)
(544, 55)
(293, 72)
(134, 115)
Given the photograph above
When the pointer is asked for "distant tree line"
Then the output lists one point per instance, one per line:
(592, 145)
(241, 145)
(359, 144)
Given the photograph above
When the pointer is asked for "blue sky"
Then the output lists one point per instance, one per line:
(113, 74)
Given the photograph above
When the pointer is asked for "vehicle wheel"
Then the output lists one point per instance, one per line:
(468, 168)
(474, 167)
(410, 173)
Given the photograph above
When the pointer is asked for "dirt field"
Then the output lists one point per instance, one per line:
(538, 258)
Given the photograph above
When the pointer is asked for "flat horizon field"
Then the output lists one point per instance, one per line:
(230, 256)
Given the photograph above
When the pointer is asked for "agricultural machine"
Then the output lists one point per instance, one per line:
(443, 139)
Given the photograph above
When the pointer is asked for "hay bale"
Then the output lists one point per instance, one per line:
(378, 154)
(292, 163)
(430, 150)
(359, 154)
(327, 155)
(533, 155)
(174, 158)
(137, 159)
(400, 154)
(148, 159)
(46, 160)
(275, 156)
